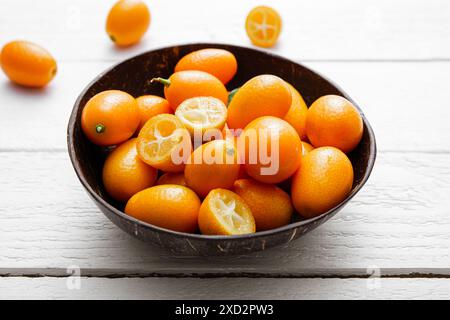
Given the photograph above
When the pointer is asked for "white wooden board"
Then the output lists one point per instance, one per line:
(392, 57)
(222, 288)
(408, 112)
(313, 30)
(398, 222)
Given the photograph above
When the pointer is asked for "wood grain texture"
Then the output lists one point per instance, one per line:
(237, 288)
(321, 29)
(408, 112)
(399, 222)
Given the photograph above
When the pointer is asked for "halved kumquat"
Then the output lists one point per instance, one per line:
(201, 114)
(223, 212)
(263, 26)
(164, 143)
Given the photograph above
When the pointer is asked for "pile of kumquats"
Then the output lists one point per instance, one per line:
(223, 163)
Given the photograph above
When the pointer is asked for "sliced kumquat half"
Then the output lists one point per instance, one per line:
(223, 212)
(201, 114)
(164, 143)
(263, 26)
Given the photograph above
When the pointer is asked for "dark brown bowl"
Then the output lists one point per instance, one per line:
(133, 76)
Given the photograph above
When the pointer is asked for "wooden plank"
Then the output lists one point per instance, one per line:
(234, 288)
(406, 103)
(399, 222)
(408, 112)
(321, 29)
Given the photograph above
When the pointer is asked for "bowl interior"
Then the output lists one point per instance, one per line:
(134, 75)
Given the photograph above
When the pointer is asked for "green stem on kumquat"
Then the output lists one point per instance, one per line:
(100, 128)
(165, 82)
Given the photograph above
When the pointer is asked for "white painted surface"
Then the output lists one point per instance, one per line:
(408, 104)
(223, 288)
(320, 29)
(391, 57)
(399, 221)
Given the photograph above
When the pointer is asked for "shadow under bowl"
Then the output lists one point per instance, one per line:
(133, 76)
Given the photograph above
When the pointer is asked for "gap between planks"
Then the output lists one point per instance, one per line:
(357, 273)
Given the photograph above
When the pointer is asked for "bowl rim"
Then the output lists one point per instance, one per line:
(258, 234)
